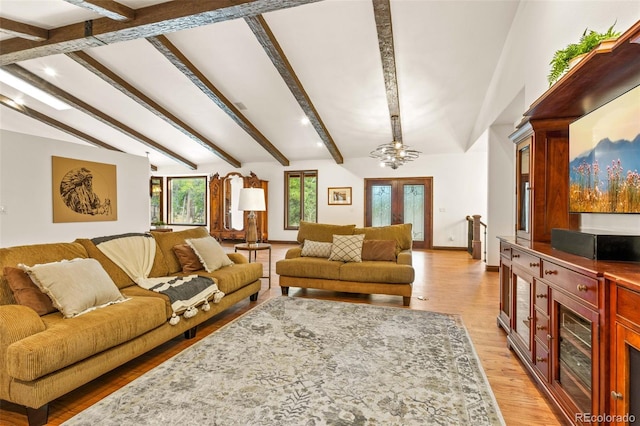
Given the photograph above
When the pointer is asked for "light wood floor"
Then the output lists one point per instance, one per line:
(448, 281)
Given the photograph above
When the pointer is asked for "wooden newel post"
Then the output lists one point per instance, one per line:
(476, 243)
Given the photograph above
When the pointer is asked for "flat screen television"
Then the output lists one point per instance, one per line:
(604, 158)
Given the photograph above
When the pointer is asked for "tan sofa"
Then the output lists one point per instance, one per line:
(44, 357)
(393, 277)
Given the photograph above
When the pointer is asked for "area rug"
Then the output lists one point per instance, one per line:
(296, 361)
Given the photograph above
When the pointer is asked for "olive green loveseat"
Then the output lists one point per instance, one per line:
(385, 265)
(43, 357)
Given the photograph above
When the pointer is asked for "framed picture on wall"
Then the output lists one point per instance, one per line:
(340, 196)
(83, 191)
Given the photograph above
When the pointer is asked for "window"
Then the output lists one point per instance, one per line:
(301, 197)
(155, 192)
(187, 200)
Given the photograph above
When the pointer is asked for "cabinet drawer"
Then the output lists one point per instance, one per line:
(541, 360)
(542, 297)
(528, 262)
(505, 250)
(542, 329)
(579, 285)
(628, 305)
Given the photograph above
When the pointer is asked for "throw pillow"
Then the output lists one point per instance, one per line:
(379, 250)
(316, 249)
(347, 248)
(26, 292)
(188, 258)
(210, 253)
(75, 286)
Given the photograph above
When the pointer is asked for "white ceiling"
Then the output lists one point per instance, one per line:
(446, 52)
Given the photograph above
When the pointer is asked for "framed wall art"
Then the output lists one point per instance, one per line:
(83, 191)
(340, 196)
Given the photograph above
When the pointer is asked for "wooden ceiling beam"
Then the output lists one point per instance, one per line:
(123, 86)
(271, 46)
(107, 8)
(382, 13)
(55, 91)
(180, 61)
(148, 22)
(22, 30)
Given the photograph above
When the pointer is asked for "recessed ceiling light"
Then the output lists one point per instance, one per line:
(32, 91)
(305, 121)
(50, 71)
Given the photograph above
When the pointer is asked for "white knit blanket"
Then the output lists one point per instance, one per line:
(134, 254)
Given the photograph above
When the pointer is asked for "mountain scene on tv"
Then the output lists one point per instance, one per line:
(606, 178)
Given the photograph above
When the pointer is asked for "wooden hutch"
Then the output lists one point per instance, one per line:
(223, 193)
(573, 321)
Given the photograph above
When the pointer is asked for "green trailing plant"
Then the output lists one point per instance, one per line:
(588, 41)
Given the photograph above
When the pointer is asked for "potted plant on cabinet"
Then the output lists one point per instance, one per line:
(159, 224)
(589, 40)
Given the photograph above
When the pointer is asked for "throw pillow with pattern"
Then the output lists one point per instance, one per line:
(316, 249)
(347, 248)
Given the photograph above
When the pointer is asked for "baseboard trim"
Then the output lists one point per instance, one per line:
(449, 248)
(492, 268)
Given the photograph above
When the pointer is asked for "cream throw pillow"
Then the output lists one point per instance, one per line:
(316, 249)
(347, 248)
(210, 253)
(75, 286)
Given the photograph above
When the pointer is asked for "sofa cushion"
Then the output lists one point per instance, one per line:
(322, 232)
(347, 248)
(26, 292)
(316, 249)
(188, 258)
(400, 233)
(309, 267)
(67, 341)
(159, 268)
(167, 240)
(234, 277)
(377, 272)
(210, 253)
(32, 254)
(379, 250)
(75, 286)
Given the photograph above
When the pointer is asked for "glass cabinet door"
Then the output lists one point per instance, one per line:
(523, 190)
(522, 309)
(575, 374)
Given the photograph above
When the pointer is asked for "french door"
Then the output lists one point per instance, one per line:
(401, 200)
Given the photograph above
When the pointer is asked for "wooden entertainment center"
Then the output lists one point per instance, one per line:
(573, 321)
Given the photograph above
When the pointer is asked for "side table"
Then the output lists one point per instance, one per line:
(253, 248)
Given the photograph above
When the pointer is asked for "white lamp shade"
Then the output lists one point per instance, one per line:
(252, 199)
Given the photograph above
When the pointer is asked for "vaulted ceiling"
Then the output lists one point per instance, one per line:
(194, 82)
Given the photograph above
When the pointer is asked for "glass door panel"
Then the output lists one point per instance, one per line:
(414, 209)
(574, 357)
(381, 205)
(523, 190)
(522, 324)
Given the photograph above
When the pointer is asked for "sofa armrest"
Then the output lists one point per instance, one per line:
(16, 323)
(292, 253)
(237, 258)
(405, 258)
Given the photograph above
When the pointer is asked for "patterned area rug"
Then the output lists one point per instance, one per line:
(294, 361)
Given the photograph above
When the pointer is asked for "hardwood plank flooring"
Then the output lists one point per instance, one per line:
(446, 281)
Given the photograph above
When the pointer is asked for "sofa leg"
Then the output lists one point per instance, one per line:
(190, 333)
(38, 416)
(406, 301)
(254, 297)
(285, 291)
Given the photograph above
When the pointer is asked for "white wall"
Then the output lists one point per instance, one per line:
(25, 191)
(459, 189)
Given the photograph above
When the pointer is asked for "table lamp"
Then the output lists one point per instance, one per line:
(252, 200)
